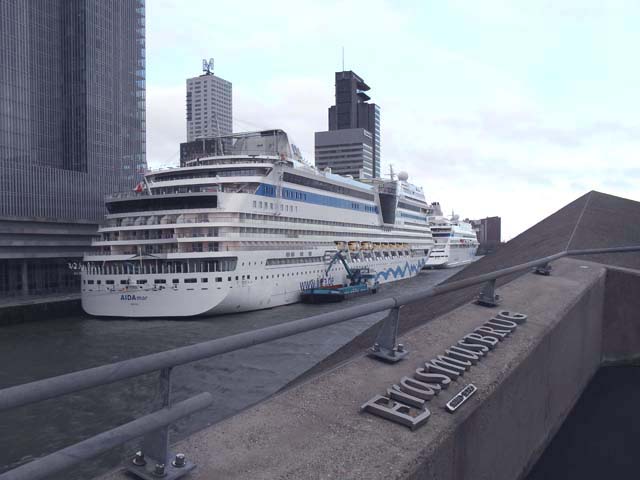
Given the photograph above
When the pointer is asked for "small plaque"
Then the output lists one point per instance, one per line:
(460, 398)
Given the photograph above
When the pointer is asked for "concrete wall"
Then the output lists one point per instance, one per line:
(621, 332)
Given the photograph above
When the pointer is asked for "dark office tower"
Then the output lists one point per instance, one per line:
(351, 112)
(72, 120)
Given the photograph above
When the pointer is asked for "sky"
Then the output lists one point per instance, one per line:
(508, 108)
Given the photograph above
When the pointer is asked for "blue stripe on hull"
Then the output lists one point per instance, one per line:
(401, 272)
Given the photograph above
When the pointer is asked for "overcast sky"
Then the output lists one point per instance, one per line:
(509, 108)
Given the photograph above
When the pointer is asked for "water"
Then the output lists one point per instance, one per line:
(42, 349)
(599, 438)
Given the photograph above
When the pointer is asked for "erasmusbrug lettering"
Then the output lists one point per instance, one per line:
(405, 402)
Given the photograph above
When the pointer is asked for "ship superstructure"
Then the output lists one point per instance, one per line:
(248, 227)
(456, 243)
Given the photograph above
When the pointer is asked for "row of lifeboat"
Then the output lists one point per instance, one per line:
(357, 246)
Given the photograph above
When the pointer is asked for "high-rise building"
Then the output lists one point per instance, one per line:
(489, 233)
(209, 105)
(351, 146)
(72, 129)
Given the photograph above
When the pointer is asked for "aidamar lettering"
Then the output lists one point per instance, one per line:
(405, 402)
(132, 297)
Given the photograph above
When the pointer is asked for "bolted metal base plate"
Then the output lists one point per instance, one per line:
(486, 301)
(543, 270)
(391, 356)
(146, 472)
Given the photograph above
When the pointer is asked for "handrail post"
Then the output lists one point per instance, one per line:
(153, 460)
(386, 347)
(543, 269)
(488, 296)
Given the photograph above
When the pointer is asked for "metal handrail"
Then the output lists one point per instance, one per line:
(40, 390)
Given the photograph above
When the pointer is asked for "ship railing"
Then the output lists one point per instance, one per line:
(154, 427)
(124, 195)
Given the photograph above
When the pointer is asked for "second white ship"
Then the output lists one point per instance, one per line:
(246, 228)
(456, 243)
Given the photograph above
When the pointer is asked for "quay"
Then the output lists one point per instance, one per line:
(25, 308)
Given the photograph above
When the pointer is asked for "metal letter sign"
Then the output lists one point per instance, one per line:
(405, 403)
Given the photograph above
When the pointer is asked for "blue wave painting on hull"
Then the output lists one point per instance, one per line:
(401, 271)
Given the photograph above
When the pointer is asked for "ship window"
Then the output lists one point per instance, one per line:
(124, 282)
(204, 280)
(109, 282)
(90, 282)
(190, 280)
(141, 282)
(159, 280)
(218, 279)
(175, 280)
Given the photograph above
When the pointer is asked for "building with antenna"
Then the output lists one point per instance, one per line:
(209, 104)
(351, 146)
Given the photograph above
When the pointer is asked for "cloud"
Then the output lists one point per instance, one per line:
(530, 127)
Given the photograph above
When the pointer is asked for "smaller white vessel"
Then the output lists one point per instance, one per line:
(456, 242)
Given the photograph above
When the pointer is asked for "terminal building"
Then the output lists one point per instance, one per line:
(72, 130)
(351, 146)
(209, 105)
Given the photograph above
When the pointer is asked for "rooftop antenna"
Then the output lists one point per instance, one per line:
(207, 66)
(343, 59)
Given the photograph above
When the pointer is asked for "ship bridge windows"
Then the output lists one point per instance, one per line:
(325, 200)
(326, 186)
(408, 206)
(150, 203)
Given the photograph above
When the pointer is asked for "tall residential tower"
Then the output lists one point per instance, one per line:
(352, 144)
(209, 105)
(72, 129)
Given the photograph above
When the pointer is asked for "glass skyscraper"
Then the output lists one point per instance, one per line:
(72, 119)
(72, 105)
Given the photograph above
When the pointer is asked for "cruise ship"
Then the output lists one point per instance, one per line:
(456, 243)
(248, 226)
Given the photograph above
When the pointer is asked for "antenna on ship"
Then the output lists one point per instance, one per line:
(391, 172)
(343, 59)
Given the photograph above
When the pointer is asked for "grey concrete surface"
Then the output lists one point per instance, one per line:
(525, 388)
(621, 334)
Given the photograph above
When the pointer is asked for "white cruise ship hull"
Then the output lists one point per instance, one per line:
(446, 256)
(264, 288)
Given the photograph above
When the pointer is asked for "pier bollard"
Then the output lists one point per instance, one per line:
(386, 346)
